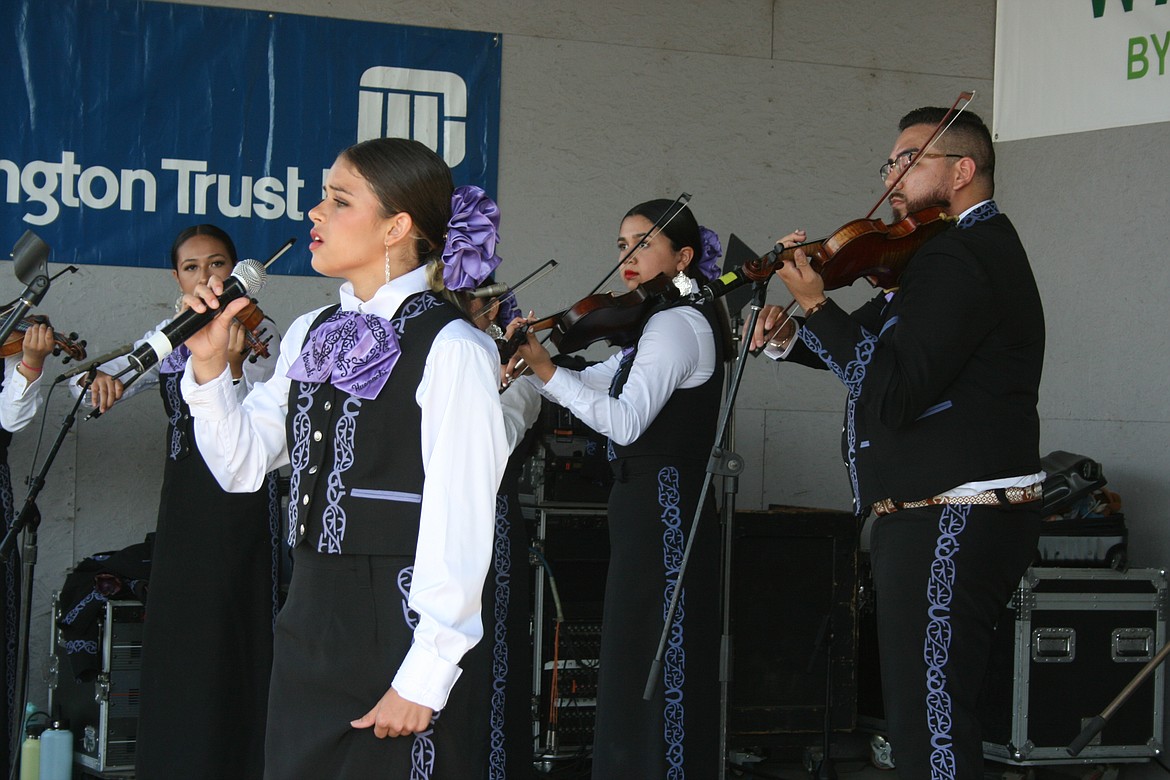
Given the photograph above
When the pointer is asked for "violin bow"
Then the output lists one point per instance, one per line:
(547, 267)
(668, 216)
(943, 125)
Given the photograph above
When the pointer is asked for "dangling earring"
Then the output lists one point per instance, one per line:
(179, 304)
(387, 264)
(682, 282)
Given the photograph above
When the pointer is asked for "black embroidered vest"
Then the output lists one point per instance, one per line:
(180, 426)
(690, 415)
(357, 472)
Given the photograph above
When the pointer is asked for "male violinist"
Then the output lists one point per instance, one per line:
(941, 436)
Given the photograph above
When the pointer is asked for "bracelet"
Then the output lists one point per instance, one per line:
(811, 310)
(30, 368)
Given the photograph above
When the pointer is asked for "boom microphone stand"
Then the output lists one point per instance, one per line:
(738, 253)
(29, 520)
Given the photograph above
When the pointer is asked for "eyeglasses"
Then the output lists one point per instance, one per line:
(903, 160)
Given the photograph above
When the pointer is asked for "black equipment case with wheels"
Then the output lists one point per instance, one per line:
(102, 712)
(1070, 641)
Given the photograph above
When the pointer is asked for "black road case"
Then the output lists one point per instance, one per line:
(1068, 644)
(103, 712)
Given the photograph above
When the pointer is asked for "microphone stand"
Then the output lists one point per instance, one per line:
(29, 520)
(725, 463)
(1096, 724)
(96, 413)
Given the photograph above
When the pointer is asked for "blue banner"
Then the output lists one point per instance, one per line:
(128, 121)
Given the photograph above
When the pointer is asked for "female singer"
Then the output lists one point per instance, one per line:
(658, 403)
(374, 403)
(214, 583)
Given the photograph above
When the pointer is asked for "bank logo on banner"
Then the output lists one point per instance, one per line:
(429, 106)
(152, 134)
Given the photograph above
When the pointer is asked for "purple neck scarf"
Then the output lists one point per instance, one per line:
(175, 362)
(352, 351)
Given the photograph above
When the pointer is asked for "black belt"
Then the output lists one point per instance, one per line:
(996, 497)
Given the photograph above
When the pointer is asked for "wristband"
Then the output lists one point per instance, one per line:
(30, 368)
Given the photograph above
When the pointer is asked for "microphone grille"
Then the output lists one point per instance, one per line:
(251, 274)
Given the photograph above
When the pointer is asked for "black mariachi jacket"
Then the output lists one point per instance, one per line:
(943, 378)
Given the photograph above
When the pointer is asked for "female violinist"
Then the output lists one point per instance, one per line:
(507, 643)
(207, 646)
(657, 401)
(20, 400)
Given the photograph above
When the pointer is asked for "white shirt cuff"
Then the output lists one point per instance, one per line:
(213, 400)
(425, 679)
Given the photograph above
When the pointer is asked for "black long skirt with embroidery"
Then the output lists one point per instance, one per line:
(507, 640)
(676, 734)
(340, 638)
(207, 642)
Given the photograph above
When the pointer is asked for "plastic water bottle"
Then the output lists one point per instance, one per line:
(56, 753)
(30, 749)
(30, 758)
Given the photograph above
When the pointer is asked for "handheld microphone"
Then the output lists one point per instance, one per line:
(84, 367)
(247, 278)
(490, 291)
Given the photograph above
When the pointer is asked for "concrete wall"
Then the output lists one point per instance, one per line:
(774, 115)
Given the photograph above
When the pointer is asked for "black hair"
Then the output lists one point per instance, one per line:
(405, 175)
(968, 135)
(202, 230)
(682, 231)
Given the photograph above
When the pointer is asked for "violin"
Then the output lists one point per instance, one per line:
(866, 248)
(252, 318)
(616, 318)
(72, 346)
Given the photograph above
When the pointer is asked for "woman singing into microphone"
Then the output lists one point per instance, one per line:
(387, 408)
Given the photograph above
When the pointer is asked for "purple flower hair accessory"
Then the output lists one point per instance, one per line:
(712, 251)
(470, 253)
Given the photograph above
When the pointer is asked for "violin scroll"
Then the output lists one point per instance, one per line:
(252, 318)
(71, 345)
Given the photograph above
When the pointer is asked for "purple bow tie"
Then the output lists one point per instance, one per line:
(176, 361)
(352, 351)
